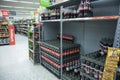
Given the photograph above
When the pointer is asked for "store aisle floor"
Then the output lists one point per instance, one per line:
(15, 64)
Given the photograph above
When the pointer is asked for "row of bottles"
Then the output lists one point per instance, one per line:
(104, 44)
(4, 34)
(72, 71)
(92, 69)
(4, 40)
(3, 30)
(51, 14)
(84, 10)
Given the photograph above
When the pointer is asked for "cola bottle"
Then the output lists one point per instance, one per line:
(80, 10)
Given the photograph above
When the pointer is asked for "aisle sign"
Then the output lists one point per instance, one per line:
(12, 35)
(45, 3)
(5, 13)
(111, 64)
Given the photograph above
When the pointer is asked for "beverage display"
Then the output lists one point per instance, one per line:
(53, 14)
(33, 43)
(88, 9)
(50, 51)
(92, 66)
(85, 9)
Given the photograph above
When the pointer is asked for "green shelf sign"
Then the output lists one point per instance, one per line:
(45, 3)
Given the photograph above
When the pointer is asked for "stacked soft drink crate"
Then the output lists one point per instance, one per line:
(92, 64)
(51, 57)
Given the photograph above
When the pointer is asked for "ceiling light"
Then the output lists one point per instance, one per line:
(17, 7)
(28, 2)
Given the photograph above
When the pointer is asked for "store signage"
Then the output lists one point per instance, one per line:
(5, 13)
(45, 3)
(111, 64)
(12, 13)
(12, 35)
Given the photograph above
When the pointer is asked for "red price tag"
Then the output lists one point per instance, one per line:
(5, 13)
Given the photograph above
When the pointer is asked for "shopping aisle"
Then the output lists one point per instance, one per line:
(15, 64)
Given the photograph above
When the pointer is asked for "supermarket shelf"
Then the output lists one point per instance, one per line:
(24, 32)
(22, 23)
(3, 28)
(23, 29)
(93, 18)
(55, 20)
(88, 76)
(4, 36)
(3, 32)
(31, 40)
(31, 31)
(39, 42)
(4, 44)
(31, 50)
(92, 60)
(85, 19)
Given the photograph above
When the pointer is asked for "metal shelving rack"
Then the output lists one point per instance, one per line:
(35, 42)
(98, 18)
(4, 33)
(31, 44)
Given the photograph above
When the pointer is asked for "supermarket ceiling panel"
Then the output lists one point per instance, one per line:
(22, 7)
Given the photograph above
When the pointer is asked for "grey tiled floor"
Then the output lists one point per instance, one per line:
(15, 64)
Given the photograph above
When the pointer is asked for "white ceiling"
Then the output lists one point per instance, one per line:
(22, 7)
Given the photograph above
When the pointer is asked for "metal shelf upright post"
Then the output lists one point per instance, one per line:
(61, 43)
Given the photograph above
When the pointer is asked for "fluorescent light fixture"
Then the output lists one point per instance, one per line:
(27, 2)
(22, 11)
(17, 7)
(5, 6)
